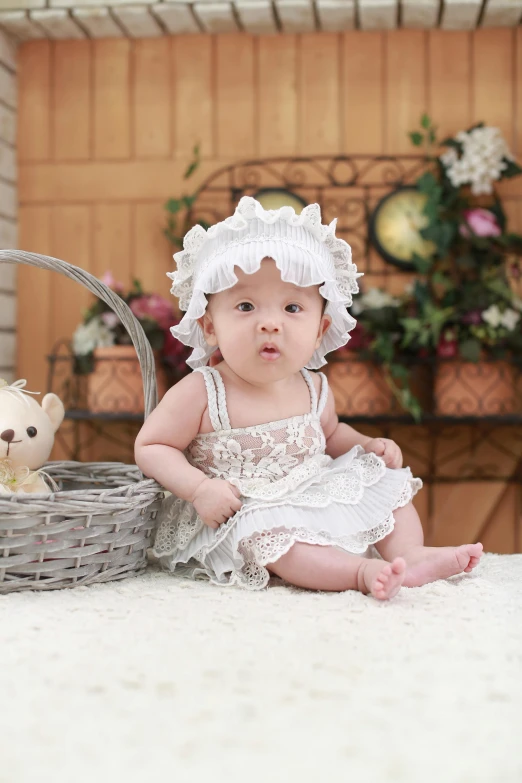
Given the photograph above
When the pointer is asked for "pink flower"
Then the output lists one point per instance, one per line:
(154, 307)
(448, 346)
(175, 353)
(359, 339)
(474, 317)
(109, 280)
(482, 222)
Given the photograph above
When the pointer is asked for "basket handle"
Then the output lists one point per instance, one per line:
(115, 302)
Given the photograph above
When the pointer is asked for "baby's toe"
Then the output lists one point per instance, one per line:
(398, 565)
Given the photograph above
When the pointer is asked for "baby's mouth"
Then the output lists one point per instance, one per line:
(269, 352)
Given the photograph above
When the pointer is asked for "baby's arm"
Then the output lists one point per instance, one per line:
(159, 447)
(340, 437)
(165, 434)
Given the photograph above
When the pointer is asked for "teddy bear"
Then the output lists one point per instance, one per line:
(26, 436)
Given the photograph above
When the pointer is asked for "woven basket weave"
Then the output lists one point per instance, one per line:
(98, 526)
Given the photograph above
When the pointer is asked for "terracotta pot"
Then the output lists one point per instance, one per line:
(115, 385)
(359, 388)
(469, 389)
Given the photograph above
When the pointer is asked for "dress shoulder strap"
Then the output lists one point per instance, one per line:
(323, 394)
(217, 405)
(211, 397)
(221, 399)
(311, 388)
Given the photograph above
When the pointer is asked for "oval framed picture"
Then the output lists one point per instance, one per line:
(275, 198)
(395, 226)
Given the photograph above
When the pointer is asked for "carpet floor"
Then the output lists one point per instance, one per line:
(161, 678)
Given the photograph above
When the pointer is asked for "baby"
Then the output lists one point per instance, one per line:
(264, 478)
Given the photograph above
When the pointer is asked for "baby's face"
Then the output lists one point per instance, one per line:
(266, 329)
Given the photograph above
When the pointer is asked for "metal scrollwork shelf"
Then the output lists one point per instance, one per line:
(436, 445)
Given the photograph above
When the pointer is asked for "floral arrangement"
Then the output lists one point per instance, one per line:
(464, 302)
(101, 327)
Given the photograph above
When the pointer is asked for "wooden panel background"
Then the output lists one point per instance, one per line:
(106, 129)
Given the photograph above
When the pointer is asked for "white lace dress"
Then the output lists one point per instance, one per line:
(290, 489)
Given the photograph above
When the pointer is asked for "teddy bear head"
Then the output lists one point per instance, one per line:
(27, 428)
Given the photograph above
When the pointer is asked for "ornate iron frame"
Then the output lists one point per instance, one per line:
(346, 187)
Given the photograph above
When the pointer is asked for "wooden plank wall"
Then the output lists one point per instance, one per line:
(106, 128)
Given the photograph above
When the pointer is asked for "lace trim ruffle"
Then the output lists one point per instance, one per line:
(255, 552)
(259, 551)
(181, 522)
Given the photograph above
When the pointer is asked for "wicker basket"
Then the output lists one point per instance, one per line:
(97, 527)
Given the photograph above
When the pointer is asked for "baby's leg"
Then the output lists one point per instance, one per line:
(327, 568)
(424, 563)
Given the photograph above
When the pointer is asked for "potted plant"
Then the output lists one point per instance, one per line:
(359, 373)
(104, 353)
(462, 315)
(467, 283)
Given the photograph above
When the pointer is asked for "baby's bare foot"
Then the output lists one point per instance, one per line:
(384, 580)
(429, 563)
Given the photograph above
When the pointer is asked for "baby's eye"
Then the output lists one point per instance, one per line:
(293, 308)
(245, 307)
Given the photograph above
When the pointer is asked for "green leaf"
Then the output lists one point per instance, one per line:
(191, 169)
(416, 138)
(512, 170)
(431, 209)
(383, 347)
(194, 164)
(174, 205)
(432, 136)
(470, 350)
(439, 278)
(425, 121)
(450, 142)
(427, 183)
(188, 201)
(447, 233)
(422, 265)
(398, 371)
(476, 125)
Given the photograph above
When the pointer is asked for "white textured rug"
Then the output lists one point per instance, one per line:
(157, 677)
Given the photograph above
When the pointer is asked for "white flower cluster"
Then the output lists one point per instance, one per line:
(483, 159)
(89, 336)
(495, 317)
(373, 299)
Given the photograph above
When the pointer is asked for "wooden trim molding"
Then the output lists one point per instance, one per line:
(25, 20)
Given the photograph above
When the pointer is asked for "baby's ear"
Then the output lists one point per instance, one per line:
(325, 324)
(207, 328)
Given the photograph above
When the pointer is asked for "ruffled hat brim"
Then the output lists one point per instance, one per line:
(305, 252)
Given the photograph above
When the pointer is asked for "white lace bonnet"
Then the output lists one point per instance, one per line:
(305, 252)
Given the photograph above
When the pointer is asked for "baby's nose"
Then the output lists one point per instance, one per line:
(7, 435)
(270, 326)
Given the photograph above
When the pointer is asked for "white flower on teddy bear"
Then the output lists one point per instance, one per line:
(26, 436)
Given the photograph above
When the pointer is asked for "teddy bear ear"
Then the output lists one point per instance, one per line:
(54, 408)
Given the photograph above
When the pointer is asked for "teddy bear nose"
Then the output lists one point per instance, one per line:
(7, 435)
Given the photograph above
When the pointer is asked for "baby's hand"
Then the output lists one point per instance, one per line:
(216, 500)
(387, 449)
